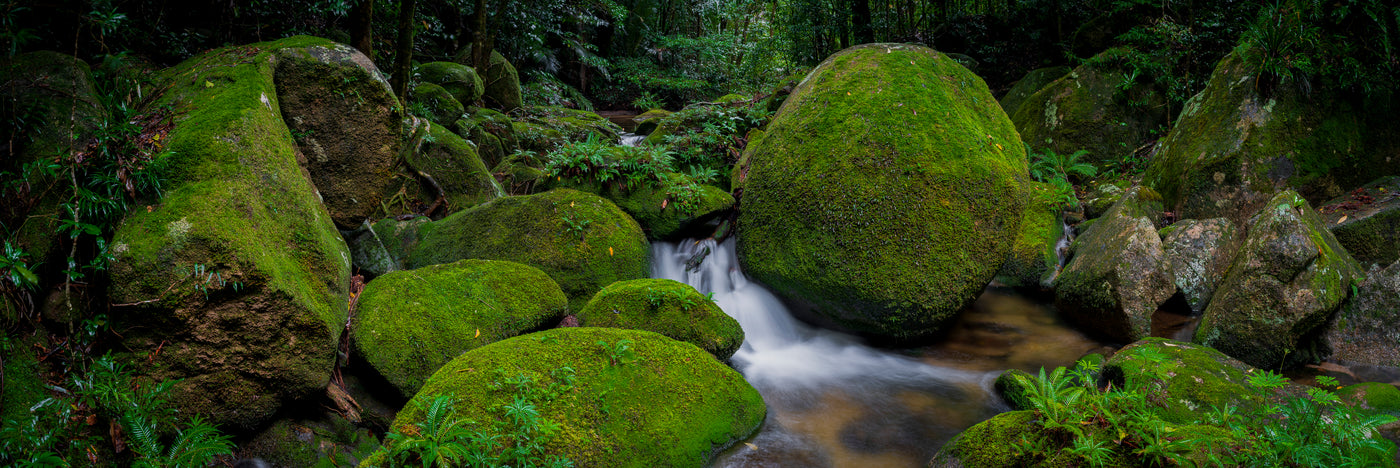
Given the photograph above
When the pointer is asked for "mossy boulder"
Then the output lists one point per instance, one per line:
(383, 246)
(458, 80)
(990, 443)
(1198, 253)
(410, 323)
(1365, 330)
(670, 405)
(1367, 221)
(646, 121)
(571, 124)
(1013, 386)
(885, 194)
(347, 124)
(435, 103)
(1035, 259)
(501, 83)
(730, 98)
(668, 307)
(1183, 380)
(1028, 85)
(236, 279)
(584, 242)
(1373, 397)
(1116, 276)
(520, 174)
(1287, 280)
(663, 215)
(305, 442)
(454, 165)
(24, 384)
(1087, 110)
(1233, 148)
(1100, 199)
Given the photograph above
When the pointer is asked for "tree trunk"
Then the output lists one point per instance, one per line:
(860, 15)
(403, 60)
(481, 38)
(362, 27)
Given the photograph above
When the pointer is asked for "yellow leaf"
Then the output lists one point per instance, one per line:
(610, 252)
(478, 333)
(999, 146)
(207, 84)
(752, 446)
(571, 204)
(1344, 218)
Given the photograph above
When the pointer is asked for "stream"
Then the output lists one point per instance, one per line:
(835, 402)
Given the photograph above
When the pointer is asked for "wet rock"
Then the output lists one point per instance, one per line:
(1035, 258)
(1367, 221)
(1013, 386)
(862, 219)
(1367, 329)
(1198, 255)
(1117, 275)
(670, 308)
(1287, 280)
(647, 121)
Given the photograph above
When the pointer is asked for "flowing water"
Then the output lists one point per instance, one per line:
(836, 402)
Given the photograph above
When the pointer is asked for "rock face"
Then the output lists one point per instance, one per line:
(1086, 110)
(1198, 254)
(666, 404)
(455, 167)
(501, 84)
(410, 323)
(1184, 380)
(347, 124)
(458, 80)
(1117, 275)
(670, 308)
(582, 241)
(1367, 221)
(238, 275)
(1287, 280)
(1034, 259)
(1232, 148)
(886, 193)
(1365, 330)
(1028, 85)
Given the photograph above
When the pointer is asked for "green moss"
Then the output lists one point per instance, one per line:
(410, 323)
(647, 121)
(23, 385)
(237, 205)
(459, 80)
(539, 230)
(455, 166)
(501, 83)
(730, 98)
(1013, 385)
(885, 194)
(1034, 258)
(662, 216)
(1184, 380)
(674, 406)
(1028, 85)
(670, 308)
(990, 443)
(438, 105)
(1372, 396)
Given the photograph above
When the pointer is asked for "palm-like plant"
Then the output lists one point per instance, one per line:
(1049, 165)
(194, 446)
(441, 439)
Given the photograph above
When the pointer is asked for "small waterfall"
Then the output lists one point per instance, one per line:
(631, 139)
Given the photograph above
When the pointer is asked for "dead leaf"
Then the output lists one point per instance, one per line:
(478, 333)
(1344, 218)
(752, 446)
(610, 251)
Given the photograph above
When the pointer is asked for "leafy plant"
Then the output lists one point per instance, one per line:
(619, 353)
(573, 224)
(1048, 165)
(648, 101)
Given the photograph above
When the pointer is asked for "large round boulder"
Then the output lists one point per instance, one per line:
(410, 323)
(886, 193)
(617, 398)
(668, 307)
(458, 80)
(501, 84)
(1288, 279)
(1234, 147)
(454, 166)
(581, 240)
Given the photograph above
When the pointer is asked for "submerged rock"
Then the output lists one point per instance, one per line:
(410, 323)
(660, 403)
(670, 308)
(236, 281)
(1117, 275)
(581, 240)
(1198, 253)
(885, 194)
(1287, 280)
(1367, 329)
(1232, 148)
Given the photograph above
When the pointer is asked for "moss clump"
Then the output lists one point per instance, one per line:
(990, 443)
(581, 240)
(646, 122)
(661, 213)
(23, 385)
(886, 192)
(435, 103)
(1034, 81)
(410, 323)
(1372, 396)
(459, 80)
(240, 276)
(1184, 380)
(672, 406)
(730, 98)
(455, 166)
(670, 308)
(1034, 258)
(1232, 148)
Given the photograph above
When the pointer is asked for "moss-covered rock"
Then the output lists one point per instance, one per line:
(23, 386)
(1184, 380)
(673, 405)
(1116, 276)
(520, 174)
(488, 146)
(346, 122)
(1365, 330)
(1287, 280)
(1198, 253)
(502, 84)
(1367, 221)
(663, 215)
(1100, 199)
(886, 193)
(1035, 259)
(459, 80)
(581, 240)
(410, 323)
(730, 98)
(563, 125)
(1232, 148)
(668, 307)
(310, 442)
(1013, 386)
(237, 276)
(435, 103)
(1028, 85)
(1372, 397)
(1086, 110)
(455, 167)
(990, 443)
(646, 121)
